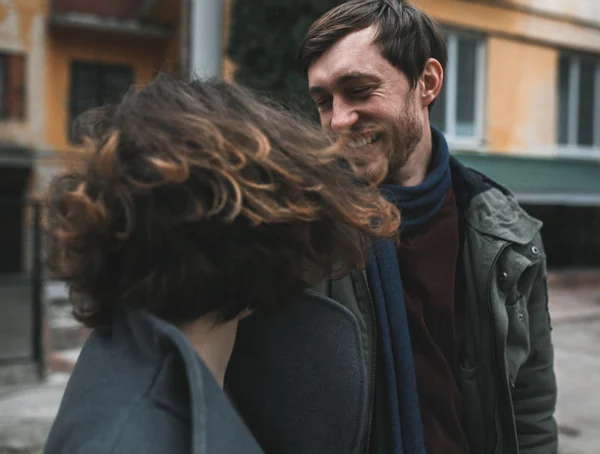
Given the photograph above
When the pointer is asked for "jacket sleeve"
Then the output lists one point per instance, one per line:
(534, 389)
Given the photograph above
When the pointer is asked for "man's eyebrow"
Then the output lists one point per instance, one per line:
(347, 77)
(316, 90)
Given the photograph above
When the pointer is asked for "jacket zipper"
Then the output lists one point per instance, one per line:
(373, 363)
(494, 359)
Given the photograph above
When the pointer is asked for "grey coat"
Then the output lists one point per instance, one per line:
(139, 387)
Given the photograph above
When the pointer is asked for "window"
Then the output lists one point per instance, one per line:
(579, 101)
(458, 110)
(12, 87)
(93, 85)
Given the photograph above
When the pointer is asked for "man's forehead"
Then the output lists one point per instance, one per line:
(353, 54)
(355, 41)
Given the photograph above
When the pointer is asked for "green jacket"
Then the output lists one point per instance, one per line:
(506, 374)
(304, 378)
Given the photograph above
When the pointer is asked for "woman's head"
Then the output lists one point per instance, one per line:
(199, 198)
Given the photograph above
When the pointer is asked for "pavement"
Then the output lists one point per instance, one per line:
(27, 412)
(576, 319)
(15, 316)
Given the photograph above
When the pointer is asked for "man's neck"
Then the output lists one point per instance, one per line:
(414, 171)
(213, 342)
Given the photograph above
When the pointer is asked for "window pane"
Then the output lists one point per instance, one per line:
(585, 132)
(84, 88)
(115, 82)
(15, 86)
(466, 87)
(437, 115)
(94, 85)
(564, 71)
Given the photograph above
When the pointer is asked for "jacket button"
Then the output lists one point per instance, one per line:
(535, 250)
(503, 276)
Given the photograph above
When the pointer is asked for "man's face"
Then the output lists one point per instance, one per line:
(357, 90)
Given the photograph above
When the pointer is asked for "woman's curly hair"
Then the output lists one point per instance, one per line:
(200, 198)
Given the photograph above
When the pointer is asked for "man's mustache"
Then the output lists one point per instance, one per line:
(357, 132)
(366, 165)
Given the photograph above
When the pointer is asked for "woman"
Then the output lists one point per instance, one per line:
(198, 205)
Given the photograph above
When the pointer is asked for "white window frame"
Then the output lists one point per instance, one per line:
(477, 141)
(572, 148)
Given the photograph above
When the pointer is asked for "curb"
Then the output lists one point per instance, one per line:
(578, 317)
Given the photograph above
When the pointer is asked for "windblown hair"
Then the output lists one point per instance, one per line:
(201, 198)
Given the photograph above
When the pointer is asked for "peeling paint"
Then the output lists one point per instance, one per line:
(518, 24)
(23, 31)
(11, 41)
(9, 26)
(584, 10)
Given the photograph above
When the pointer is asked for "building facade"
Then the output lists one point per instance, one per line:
(521, 103)
(57, 59)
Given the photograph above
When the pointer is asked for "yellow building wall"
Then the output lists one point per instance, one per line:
(146, 55)
(521, 98)
(49, 50)
(552, 31)
(168, 12)
(584, 10)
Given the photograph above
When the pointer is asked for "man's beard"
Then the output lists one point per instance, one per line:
(407, 132)
(401, 139)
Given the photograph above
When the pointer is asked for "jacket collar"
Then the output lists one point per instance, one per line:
(207, 404)
(490, 208)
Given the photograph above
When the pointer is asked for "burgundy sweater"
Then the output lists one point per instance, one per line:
(428, 263)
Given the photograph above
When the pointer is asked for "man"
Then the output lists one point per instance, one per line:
(462, 296)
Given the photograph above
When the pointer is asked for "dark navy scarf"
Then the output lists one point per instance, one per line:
(398, 426)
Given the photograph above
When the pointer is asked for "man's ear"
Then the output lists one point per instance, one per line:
(431, 81)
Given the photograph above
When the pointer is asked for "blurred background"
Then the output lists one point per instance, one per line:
(521, 103)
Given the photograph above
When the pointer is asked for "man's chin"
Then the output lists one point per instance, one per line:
(373, 173)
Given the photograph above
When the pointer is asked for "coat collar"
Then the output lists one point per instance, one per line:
(206, 401)
(490, 208)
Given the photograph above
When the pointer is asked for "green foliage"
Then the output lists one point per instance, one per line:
(264, 41)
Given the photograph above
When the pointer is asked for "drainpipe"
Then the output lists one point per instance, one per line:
(205, 32)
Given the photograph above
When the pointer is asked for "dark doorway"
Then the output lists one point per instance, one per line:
(13, 187)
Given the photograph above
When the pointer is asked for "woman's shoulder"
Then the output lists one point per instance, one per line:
(138, 386)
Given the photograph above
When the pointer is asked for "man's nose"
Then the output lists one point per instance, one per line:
(343, 117)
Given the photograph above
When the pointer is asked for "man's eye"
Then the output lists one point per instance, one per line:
(323, 104)
(360, 91)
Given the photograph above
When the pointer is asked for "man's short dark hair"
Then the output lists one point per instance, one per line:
(407, 36)
(199, 198)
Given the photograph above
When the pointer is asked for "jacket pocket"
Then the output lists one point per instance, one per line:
(518, 341)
